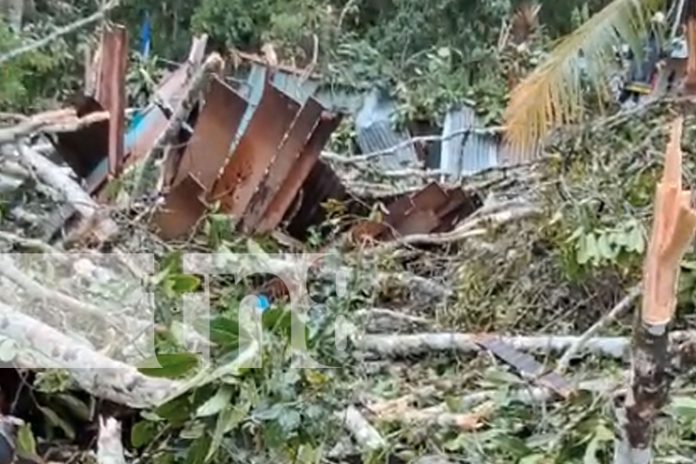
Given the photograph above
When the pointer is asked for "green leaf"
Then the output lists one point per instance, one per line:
(684, 406)
(277, 320)
(176, 411)
(224, 331)
(173, 365)
(228, 420)
(198, 451)
(216, 403)
(604, 247)
(306, 454)
(601, 435)
(26, 444)
(76, 406)
(637, 240)
(142, 433)
(184, 283)
(193, 430)
(54, 420)
(592, 248)
(532, 459)
(583, 255)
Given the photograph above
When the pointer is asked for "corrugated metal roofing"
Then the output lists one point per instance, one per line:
(375, 132)
(467, 153)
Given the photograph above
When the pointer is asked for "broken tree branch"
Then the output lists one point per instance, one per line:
(674, 226)
(43, 346)
(362, 431)
(109, 444)
(29, 243)
(53, 123)
(607, 318)
(30, 47)
(92, 220)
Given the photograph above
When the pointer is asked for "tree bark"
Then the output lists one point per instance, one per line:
(690, 20)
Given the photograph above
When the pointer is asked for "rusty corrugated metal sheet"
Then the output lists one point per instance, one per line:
(526, 365)
(255, 151)
(184, 206)
(300, 175)
(111, 90)
(431, 209)
(209, 146)
(281, 167)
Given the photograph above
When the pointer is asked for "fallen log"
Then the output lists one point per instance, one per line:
(390, 345)
(41, 346)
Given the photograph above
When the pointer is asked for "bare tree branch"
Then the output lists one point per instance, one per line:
(30, 47)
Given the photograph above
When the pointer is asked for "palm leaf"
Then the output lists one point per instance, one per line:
(552, 94)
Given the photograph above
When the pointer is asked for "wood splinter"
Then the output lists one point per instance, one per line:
(674, 225)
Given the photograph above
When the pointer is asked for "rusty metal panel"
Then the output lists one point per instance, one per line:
(183, 207)
(460, 205)
(318, 182)
(111, 91)
(526, 365)
(416, 213)
(280, 169)
(209, 146)
(418, 222)
(254, 152)
(431, 197)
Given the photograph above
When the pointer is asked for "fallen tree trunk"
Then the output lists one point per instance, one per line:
(414, 344)
(92, 221)
(41, 346)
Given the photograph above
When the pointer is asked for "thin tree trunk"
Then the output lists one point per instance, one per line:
(690, 23)
(673, 230)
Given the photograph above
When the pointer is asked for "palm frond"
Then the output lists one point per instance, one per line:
(552, 94)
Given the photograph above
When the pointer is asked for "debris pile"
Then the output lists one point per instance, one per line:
(213, 149)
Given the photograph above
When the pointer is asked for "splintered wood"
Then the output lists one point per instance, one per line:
(673, 230)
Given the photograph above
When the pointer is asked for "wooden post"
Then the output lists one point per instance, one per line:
(674, 225)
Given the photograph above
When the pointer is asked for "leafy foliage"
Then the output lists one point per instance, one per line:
(553, 94)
